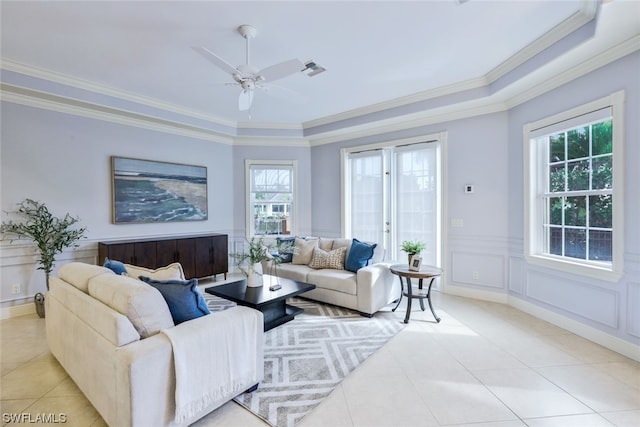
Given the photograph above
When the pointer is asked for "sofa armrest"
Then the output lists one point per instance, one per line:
(376, 287)
(146, 371)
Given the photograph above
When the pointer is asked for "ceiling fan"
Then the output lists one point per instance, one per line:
(249, 77)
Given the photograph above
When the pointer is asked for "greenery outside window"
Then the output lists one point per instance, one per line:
(271, 197)
(573, 176)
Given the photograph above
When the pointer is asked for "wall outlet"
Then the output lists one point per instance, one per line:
(476, 276)
(15, 289)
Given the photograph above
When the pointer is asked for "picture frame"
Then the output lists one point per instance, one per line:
(146, 191)
(416, 263)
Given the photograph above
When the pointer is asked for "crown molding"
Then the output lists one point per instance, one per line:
(586, 13)
(271, 142)
(525, 90)
(269, 125)
(448, 113)
(65, 79)
(37, 99)
(549, 80)
(399, 102)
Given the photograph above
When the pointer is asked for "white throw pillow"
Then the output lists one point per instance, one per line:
(172, 271)
(304, 250)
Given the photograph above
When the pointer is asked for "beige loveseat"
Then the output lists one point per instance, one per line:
(115, 337)
(366, 290)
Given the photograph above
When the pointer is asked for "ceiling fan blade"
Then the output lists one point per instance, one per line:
(281, 70)
(245, 100)
(216, 60)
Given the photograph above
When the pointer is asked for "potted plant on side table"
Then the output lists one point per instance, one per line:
(50, 234)
(413, 247)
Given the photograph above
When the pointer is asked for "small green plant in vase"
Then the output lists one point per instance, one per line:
(413, 247)
(250, 260)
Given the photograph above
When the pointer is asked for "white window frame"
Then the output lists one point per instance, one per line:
(249, 230)
(534, 171)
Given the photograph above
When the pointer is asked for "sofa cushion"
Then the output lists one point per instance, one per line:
(303, 250)
(172, 271)
(328, 259)
(293, 272)
(359, 255)
(115, 266)
(142, 304)
(335, 280)
(78, 274)
(182, 296)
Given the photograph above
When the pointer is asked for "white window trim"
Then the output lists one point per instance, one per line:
(248, 212)
(533, 227)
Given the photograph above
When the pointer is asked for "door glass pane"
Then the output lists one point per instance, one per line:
(366, 197)
(417, 194)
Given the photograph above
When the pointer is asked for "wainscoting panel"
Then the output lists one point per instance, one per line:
(595, 304)
(18, 266)
(478, 269)
(516, 275)
(633, 309)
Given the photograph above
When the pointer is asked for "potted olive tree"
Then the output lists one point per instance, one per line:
(412, 248)
(50, 234)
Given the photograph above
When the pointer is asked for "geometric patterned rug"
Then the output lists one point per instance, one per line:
(305, 359)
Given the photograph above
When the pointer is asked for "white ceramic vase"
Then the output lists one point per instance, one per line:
(254, 275)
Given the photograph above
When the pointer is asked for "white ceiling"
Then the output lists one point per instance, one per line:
(374, 51)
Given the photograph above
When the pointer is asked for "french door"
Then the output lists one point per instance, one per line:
(393, 193)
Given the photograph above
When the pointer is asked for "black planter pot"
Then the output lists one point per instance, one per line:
(38, 299)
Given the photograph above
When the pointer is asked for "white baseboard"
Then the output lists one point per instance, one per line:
(475, 294)
(17, 310)
(597, 336)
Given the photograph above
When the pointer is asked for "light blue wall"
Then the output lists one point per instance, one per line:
(64, 161)
(610, 307)
(487, 151)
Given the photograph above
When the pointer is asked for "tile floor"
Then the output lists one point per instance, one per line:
(485, 364)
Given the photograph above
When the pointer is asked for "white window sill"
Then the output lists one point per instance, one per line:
(594, 271)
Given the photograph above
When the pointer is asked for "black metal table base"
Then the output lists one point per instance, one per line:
(421, 296)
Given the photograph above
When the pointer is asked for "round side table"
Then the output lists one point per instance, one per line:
(425, 272)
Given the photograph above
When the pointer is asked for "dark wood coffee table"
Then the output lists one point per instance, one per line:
(272, 304)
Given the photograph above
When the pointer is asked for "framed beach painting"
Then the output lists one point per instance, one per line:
(151, 191)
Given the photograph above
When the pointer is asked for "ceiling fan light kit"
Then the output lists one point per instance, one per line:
(249, 77)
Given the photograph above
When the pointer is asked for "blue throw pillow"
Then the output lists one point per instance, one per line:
(285, 247)
(115, 266)
(182, 296)
(359, 255)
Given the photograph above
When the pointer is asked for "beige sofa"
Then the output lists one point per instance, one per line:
(115, 337)
(367, 290)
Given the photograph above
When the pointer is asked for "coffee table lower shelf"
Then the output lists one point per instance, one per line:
(272, 304)
(275, 317)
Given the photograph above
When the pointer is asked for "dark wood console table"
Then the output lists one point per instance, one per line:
(200, 255)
